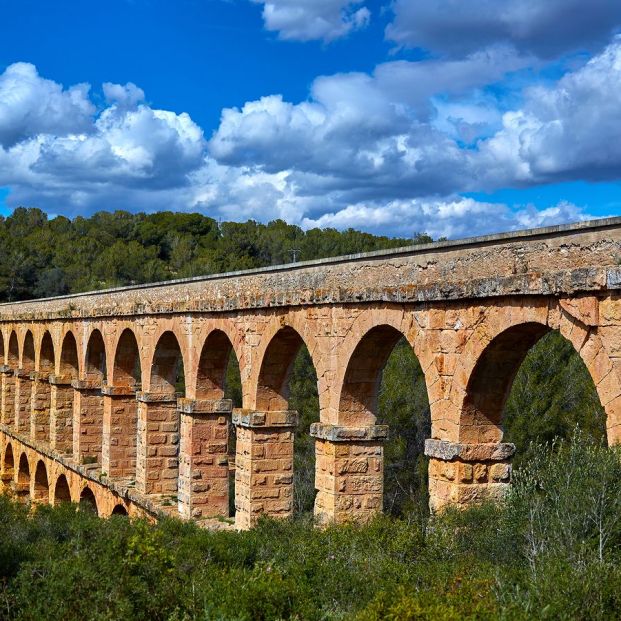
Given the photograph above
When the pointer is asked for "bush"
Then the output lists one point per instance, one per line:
(551, 551)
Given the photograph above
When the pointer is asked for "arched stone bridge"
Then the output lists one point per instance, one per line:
(89, 408)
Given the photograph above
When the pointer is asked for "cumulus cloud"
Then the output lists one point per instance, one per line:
(450, 217)
(571, 130)
(387, 152)
(31, 105)
(306, 20)
(56, 152)
(547, 28)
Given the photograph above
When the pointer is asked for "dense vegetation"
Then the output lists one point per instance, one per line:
(552, 552)
(42, 257)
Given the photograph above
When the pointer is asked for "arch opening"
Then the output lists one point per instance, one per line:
(28, 353)
(8, 464)
(69, 357)
(13, 356)
(23, 479)
(41, 485)
(218, 377)
(88, 502)
(119, 510)
(96, 358)
(41, 391)
(62, 493)
(384, 384)
(127, 371)
(46, 355)
(167, 368)
(288, 381)
(530, 385)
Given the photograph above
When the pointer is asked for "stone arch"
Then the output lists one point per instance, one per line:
(62, 393)
(272, 387)
(28, 352)
(127, 369)
(41, 392)
(8, 462)
(2, 351)
(157, 464)
(41, 489)
(13, 353)
(46, 355)
(212, 365)
(88, 402)
(95, 360)
(358, 399)
(62, 493)
(167, 365)
(491, 378)
(23, 387)
(9, 381)
(23, 478)
(88, 502)
(119, 510)
(69, 362)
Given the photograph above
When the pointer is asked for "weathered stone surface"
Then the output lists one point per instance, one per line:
(336, 433)
(447, 451)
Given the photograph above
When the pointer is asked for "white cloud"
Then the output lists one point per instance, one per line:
(306, 20)
(31, 105)
(382, 152)
(450, 217)
(57, 153)
(571, 130)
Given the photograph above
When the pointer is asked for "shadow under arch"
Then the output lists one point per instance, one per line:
(119, 510)
(62, 493)
(530, 386)
(41, 485)
(167, 374)
(217, 356)
(127, 370)
(23, 479)
(95, 359)
(358, 402)
(8, 464)
(88, 502)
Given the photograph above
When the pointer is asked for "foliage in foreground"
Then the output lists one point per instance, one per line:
(551, 552)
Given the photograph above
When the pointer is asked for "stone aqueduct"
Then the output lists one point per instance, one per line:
(89, 410)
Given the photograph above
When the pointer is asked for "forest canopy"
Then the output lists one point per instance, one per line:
(42, 257)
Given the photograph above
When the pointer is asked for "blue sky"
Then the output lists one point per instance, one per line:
(392, 117)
